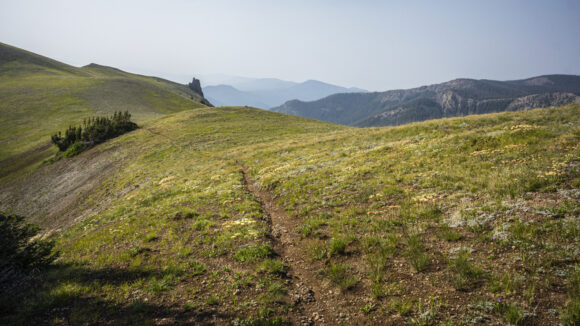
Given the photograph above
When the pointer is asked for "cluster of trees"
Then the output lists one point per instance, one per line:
(93, 131)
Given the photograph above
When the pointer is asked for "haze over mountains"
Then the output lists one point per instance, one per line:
(459, 97)
(266, 93)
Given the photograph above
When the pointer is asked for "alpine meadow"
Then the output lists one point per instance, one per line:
(127, 199)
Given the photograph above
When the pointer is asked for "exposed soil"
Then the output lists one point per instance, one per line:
(305, 290)
(317, 302)
(50, 196)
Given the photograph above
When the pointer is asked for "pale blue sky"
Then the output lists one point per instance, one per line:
(377, 45)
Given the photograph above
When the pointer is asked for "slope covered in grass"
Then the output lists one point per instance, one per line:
(41, 96)
(234, 214)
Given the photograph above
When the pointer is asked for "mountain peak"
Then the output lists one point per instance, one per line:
(270, 92)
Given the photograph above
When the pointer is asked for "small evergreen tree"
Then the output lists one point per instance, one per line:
(20, 255)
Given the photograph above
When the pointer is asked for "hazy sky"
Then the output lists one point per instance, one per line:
(377, 45)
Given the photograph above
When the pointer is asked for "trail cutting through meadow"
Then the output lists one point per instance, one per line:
(305, 291)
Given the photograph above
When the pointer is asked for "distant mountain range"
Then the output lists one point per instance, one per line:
(458, 97)
(266, 93)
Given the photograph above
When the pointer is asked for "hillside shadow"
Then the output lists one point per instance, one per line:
(76, 295)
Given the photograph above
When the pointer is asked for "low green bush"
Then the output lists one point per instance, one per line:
(21, 255)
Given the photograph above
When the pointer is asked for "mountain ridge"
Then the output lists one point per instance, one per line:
(11, 54)
(222, 94)
(271, 92)
(41, 96)
(456, 97)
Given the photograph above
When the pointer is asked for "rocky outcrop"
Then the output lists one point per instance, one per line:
(542, 101)
(195, 86)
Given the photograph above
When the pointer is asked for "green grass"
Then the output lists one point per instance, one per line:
(449, 234)
(417, 254)
(337, 246)
(272, 266)
(340, 275)
(511, 312)
(571, 313)
(174, 223)
(41, 96)
(464, 273)
(253, 253)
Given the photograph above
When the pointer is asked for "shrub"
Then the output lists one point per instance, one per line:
(74, 149)
(20, 255)
(16, 247)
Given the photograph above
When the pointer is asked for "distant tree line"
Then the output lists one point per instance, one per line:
(93, 131)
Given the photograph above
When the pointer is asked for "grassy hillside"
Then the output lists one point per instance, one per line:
(251, 217)
(41, 96)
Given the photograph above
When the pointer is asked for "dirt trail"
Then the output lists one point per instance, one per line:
(315, 305)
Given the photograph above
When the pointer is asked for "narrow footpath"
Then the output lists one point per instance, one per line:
(305, 291)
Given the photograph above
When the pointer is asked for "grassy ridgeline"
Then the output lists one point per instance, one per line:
(469, 218)
(40, 95)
